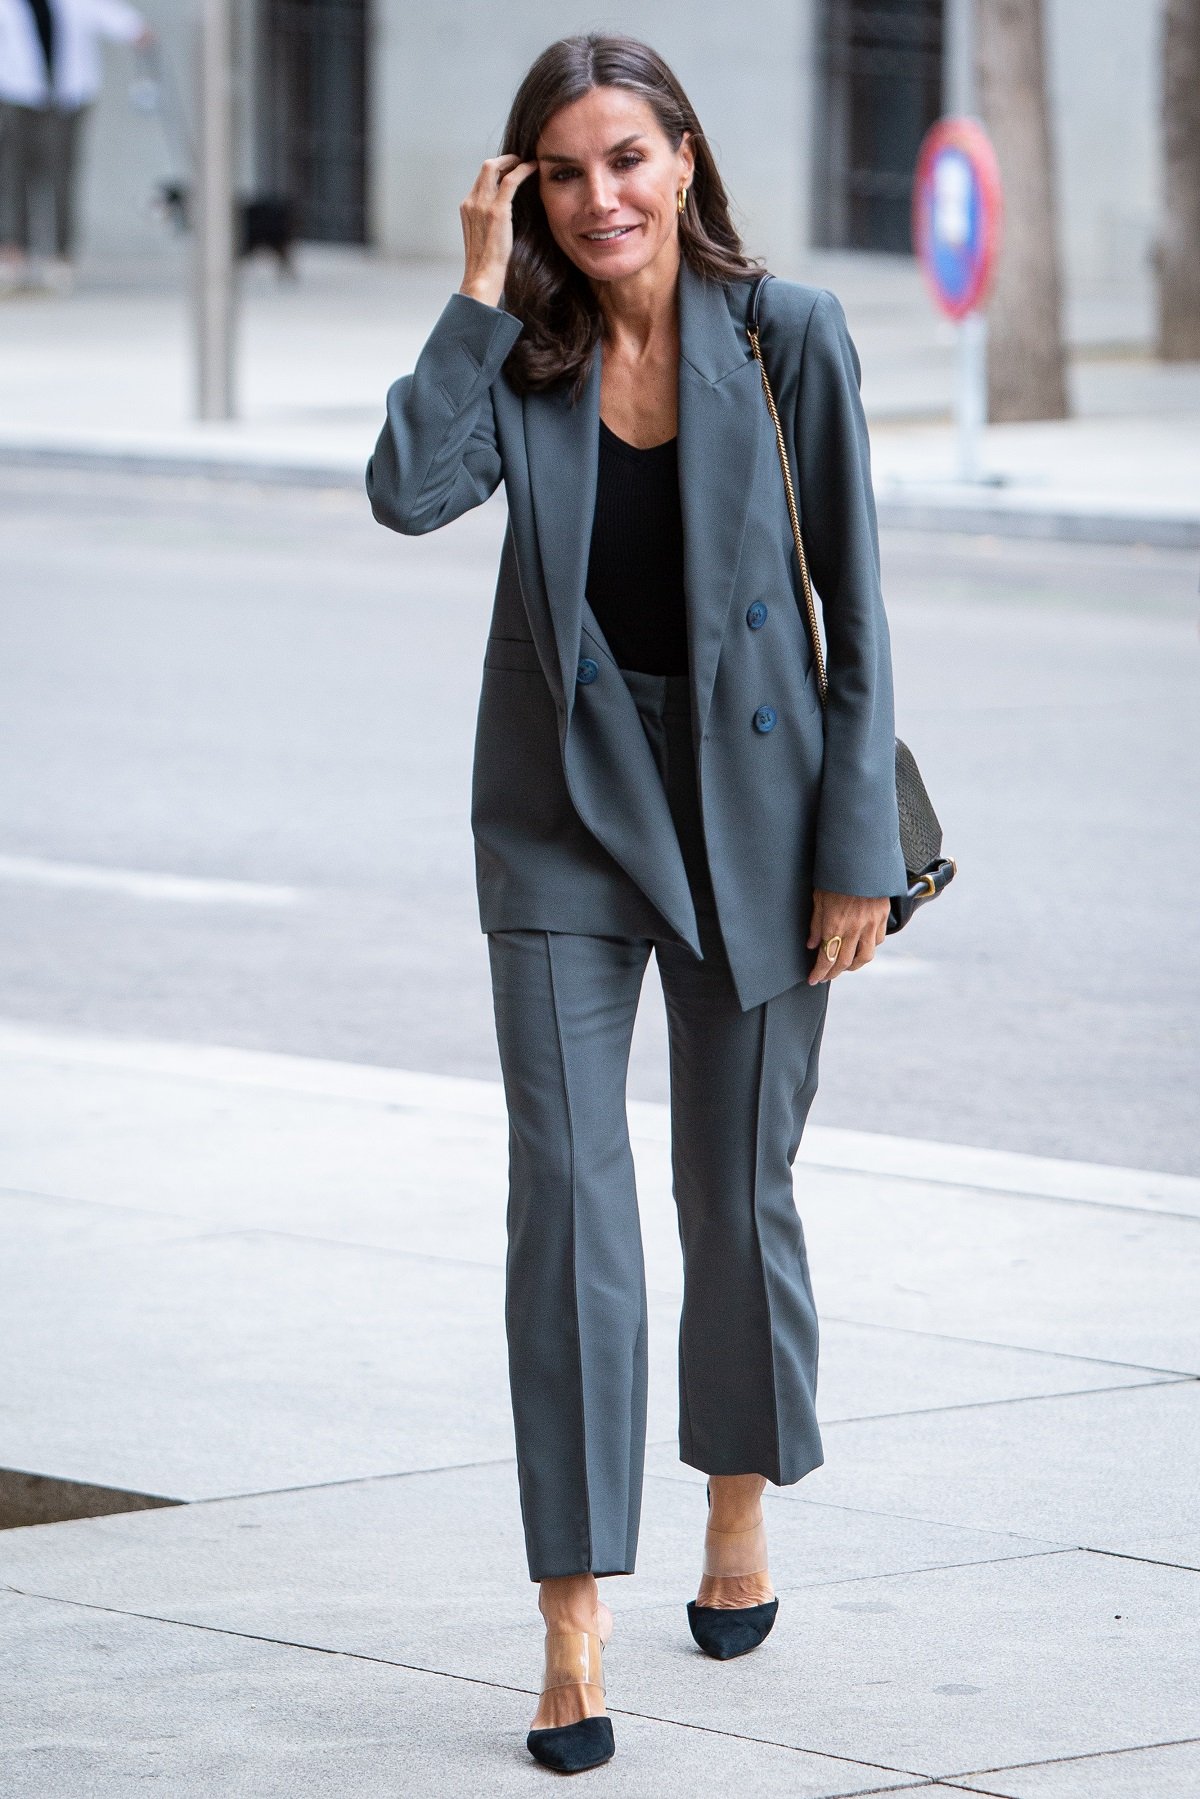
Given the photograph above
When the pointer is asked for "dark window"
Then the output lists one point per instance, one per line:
(879, 90)
(313, 126)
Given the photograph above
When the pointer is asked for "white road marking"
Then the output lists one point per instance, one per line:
(140, 884)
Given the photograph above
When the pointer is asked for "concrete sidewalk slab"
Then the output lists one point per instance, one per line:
(1171, 1771)
(316, 1269)
(936, 1669)
(282, 1360)
(220, 1716)
(1176, 1552)
(928, 1789)
(873, 1370)
(394, 1567)
(955, 1668)
(1044, 1274)
(245, 1270)
(1086, 1469)
(240, 1362)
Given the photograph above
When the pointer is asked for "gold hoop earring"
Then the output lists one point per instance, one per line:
(681, 202)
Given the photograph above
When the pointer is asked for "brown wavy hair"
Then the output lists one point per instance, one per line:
(543, 287)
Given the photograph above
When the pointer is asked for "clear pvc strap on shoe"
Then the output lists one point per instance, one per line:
(573, 1656)
(731, 1552)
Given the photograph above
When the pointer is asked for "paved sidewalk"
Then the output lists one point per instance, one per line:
(105, 375)
(266, 1293)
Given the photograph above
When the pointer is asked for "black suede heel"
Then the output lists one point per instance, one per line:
(725, 1631)
(573, 1657)
(570, 1748)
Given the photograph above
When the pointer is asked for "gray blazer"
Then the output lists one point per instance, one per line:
(570, 819)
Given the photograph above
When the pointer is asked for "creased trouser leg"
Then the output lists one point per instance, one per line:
(575, 1304)
(741, 1087)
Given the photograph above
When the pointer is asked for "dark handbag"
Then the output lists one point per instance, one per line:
(929, 872)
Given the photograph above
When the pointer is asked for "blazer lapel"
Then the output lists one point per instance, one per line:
(562, 448)
(610, 771)
(721, 415)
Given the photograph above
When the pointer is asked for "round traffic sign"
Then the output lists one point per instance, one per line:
(956, 213)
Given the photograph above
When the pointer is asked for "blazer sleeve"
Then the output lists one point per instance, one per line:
(858, 828)
(437, 456)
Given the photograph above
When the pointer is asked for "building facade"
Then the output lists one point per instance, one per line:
(374, 115)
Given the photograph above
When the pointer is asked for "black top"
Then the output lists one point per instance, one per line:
(635, 568)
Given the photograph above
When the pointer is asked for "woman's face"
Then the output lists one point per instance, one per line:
(609, 180)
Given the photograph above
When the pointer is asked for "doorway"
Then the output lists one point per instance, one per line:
(313, 114)
(879, 90)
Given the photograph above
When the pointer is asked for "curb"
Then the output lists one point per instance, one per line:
(1176, 531)
(1011, 1172)
(184, 464)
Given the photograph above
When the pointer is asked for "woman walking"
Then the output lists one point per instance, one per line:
(654, 774)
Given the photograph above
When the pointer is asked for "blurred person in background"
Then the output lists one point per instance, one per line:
(50, 73)
(654, 774)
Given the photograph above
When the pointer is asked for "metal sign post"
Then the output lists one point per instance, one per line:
(970, 408)
(214, 246)
(971, 399)
(957, 211)
(958, 86)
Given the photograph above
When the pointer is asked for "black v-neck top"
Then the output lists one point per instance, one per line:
(635, 566)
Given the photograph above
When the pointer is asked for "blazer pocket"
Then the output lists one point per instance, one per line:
(515, 654)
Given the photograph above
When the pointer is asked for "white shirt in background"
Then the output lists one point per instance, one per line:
(79, 27)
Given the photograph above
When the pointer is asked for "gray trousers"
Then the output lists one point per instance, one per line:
(39, 157)
(741, 1087)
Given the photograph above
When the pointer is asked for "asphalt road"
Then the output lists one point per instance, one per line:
(262, 692)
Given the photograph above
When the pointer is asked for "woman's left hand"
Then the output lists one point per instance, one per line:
(860, 924)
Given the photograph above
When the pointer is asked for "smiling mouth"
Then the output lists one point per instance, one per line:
(609, 237)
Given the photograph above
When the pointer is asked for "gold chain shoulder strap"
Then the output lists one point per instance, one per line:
(781, 446)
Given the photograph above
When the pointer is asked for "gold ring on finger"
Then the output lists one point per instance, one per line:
(833, 948)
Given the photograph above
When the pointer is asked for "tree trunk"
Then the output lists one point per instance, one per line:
(1178, 250)
(1026, 356)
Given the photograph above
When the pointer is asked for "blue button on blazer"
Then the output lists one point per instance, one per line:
(570, 819)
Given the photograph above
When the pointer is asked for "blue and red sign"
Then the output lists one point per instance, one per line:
(957, 209)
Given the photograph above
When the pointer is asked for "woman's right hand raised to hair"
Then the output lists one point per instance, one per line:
(487, 226)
